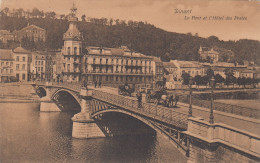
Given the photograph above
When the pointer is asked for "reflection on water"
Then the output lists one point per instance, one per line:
(29, 135)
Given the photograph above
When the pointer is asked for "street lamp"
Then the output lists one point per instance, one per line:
(211, 116)
(190, 102)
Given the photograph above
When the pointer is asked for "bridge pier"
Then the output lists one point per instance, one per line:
(47, 103)
(83, 125)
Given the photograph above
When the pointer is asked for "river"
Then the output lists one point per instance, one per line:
(28, 135)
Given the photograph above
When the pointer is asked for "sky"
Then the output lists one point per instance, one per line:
(162, 13)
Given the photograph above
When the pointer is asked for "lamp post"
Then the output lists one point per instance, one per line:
(190, 102)
(211, 116)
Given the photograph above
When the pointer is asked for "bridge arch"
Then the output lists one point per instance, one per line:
(179, 139)
(66, 100)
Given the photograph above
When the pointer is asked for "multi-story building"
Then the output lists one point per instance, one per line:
(32, 32)
(191, 68)
(72, 50)
(117, 66)
(42, 65)
(6, 65)
(158, 70)
(22, 63)
(6, 35)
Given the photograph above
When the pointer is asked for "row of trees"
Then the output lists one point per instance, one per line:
(229, 80)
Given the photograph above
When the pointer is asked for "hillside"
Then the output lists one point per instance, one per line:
(139, 36)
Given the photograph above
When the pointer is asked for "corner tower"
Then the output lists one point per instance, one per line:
(72, 49)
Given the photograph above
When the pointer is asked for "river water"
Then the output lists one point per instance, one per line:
(28, 135)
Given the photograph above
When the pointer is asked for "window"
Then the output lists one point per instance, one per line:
(68, 68)
(11, 64)
(41, 68)
(7, 63)
(35, 62)
(17, 58)
(2, 70)
(2, 63)
(68, 50)
(23, 59)
(116, 60)
(42, 62)
(106, 61)
(94, 60)
(23, 68)
(11, 71)
(75, 50)
(39, 62)
(23, 77)
(17, 66)
(100, 60)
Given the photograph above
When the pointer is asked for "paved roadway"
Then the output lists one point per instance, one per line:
(243, 123)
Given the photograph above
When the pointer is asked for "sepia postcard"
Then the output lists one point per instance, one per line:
(130, 81)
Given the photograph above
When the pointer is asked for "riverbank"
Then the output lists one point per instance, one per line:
(17, 93)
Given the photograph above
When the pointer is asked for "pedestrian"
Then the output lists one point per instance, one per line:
(176, 100)
(139, 99)
(99, 84)
(95, 84)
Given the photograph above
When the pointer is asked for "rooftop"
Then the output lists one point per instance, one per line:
(21, 50)
(114, 51)
(6, 54)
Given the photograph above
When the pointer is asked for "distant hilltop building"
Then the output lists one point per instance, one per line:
(216, 54)
(208, 54)
(31, 32)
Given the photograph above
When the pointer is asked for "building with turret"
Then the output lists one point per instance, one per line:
(72, 50)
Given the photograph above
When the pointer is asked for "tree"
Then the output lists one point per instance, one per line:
(185, 77)
(35, 12)
(198, 80)
(219, 79)
(83, 18)
(166, 57)
(209, 73)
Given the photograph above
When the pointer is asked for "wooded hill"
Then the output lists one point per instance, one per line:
(139, 36)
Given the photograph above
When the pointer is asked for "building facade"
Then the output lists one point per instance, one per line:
(22, 62)
(118, 66)
(193, 69)
(6, 65)
(32, 32)
(42, 65)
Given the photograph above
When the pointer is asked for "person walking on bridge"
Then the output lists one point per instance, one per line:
(95, 84)
(139, 99)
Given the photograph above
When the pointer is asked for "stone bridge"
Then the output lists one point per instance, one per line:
(194, 137)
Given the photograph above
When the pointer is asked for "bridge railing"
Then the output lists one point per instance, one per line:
(233, 109)
(167, 115)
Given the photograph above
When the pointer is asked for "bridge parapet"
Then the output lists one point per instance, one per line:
(218, 133)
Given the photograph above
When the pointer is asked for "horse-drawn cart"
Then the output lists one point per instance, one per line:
(125, 90)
